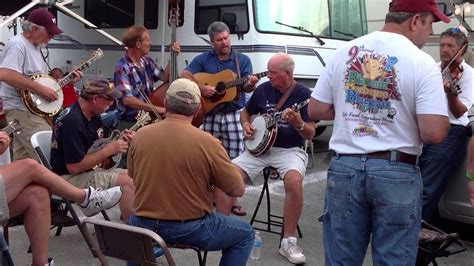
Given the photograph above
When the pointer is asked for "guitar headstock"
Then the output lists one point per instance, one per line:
(13, 126)
(143, 118)
(98, 54)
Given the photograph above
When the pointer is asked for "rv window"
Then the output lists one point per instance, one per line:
(110, 13)
(9, 7)
(345, 20)
(233, 12)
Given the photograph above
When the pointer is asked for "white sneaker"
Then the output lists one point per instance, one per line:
(292, 251)
(100, 199)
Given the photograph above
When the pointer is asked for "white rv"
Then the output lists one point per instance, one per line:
(259, 29)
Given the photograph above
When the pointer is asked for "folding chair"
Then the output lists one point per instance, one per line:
(41, 142)
(434, 243)
(271, 220)
(125, 242)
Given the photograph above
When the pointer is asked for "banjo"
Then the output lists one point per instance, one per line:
(112, 162)
(265, 131)
(38, 105)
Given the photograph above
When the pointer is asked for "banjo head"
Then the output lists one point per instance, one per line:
(263, 136)
(42, 105)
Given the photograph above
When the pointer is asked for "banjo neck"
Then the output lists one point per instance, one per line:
(69, 77)
(277, 117)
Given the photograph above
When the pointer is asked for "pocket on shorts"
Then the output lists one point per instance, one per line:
(339, 194)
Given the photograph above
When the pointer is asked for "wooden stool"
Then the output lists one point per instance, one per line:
(271, 219)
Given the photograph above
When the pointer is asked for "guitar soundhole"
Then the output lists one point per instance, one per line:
(220, 87)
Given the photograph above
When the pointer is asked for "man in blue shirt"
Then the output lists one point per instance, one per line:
(223, 120)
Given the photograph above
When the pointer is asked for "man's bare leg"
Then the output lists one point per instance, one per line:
(33, 203)
(293, 202)
(128, 195)
(20, 174)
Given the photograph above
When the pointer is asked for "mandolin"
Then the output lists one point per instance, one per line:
(112, 162)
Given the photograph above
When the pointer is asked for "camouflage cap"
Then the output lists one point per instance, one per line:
(100, 86)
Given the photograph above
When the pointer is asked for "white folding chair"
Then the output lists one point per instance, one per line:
(125, 242)
(41, 142)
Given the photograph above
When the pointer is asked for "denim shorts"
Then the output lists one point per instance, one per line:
(371, 200)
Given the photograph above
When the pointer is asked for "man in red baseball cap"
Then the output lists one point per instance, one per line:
(387, 99)
(418, 6)
(42, 17)
(22, 54)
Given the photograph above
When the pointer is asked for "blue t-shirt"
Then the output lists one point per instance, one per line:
(264, 101)
(73, 135)
(208, 62)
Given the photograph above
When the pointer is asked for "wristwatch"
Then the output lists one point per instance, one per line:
(301, 128)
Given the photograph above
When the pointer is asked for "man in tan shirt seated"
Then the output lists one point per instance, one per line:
(175, 168)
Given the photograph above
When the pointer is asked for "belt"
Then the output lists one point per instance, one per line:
(386, 155)
(180, 221)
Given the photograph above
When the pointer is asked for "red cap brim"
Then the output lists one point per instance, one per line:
(440, 16)
(54, 30)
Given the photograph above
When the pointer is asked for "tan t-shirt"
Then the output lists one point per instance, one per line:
(174, 165)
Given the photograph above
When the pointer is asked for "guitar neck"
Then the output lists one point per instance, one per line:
(9, 129)
(240, 81)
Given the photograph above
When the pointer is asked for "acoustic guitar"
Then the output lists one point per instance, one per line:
(225, 84)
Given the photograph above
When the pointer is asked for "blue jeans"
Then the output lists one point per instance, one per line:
(437, 163)
(371, 200)
(213, 232)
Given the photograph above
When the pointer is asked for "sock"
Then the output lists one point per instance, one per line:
(86, 198)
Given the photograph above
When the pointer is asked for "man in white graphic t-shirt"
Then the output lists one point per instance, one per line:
(386, 98)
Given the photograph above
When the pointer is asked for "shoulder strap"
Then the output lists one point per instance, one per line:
(285, 96)
(237, 63)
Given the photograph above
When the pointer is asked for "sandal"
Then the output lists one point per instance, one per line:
(238, 210)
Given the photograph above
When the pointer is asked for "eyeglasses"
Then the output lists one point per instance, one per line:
(107, 97)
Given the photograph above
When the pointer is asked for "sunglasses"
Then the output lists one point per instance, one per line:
(107, 97)
(454, 30)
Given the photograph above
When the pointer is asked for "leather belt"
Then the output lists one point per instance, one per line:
(386, 155)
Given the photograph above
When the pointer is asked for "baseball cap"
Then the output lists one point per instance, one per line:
(42, 17)
(418, 6)
(187, 86)
(100, 86)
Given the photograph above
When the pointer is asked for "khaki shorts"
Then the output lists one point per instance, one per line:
(30, 124)
(4, 211)
(281, 158)
(99, 178)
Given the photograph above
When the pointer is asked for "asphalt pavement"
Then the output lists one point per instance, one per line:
(70, 248)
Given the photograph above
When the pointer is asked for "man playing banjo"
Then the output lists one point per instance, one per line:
(22, 54)
(286, 154)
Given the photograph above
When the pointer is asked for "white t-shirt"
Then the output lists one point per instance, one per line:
(25, 58)
(465, 94)
(378, 83)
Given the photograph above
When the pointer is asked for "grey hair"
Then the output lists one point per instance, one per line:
(287, 63)
(179, 107)
(400, 17)
(28, 26)
(458, 35)
(217, 27)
